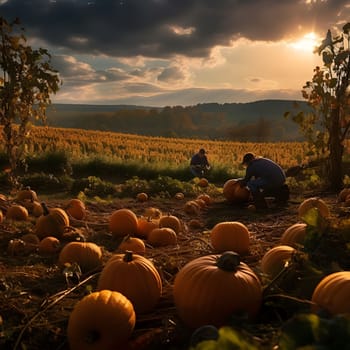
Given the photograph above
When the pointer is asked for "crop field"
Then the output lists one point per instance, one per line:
(173, 152)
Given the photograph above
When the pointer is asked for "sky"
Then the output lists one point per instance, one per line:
(178, 52)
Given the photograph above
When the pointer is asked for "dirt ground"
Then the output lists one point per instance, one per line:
(36, 298)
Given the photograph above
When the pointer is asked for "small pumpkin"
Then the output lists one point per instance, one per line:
(171, 221)
(153, 213)
(142, 197)
(123, 222)
(314, 202)
(134, 276)
(234, 193)
(1, 216)
(203, 182)
(294, 235)
(87, 255)
(162, 236)
(274, 260)
(49, 245)
(205, 197)
(134, 244)
(101, 320)
(53, 222)
(332, 294)
(145, 226)
(76, 208)
(345, 192)
(17, 212)
(16, 247)
(212, 288)
(230, 235)
(27, 194)
(192, 208)
(179, 196)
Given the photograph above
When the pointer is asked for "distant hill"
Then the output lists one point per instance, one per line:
(255, 121)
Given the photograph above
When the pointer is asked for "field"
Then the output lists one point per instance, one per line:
(37, 295)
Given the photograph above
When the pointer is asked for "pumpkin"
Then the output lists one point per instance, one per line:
(234, 193)
(134, 244)
(1, 216)
(53, 222)
(230, 235)
(76, 208)
(294, 235)
(314, 202)
(153, 213)
(30, 238)
(27, 194)
(195, 223)
(17, 212)
(170, 221)
(123, 222)
(49, 245)
(332, 294)
(142, 197)
(87, 255)
(101, 320)
(16, 247)
(210, 289)
(134, 276)
(274, 260)
(200, 202)
(192, 208)
(203, 182)
(205, 197)
(179, 196)
(345, 192)
(145, 226)
(163, 236)
(36, 209)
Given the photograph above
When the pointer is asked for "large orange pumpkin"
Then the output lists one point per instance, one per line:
(162, 236)
(332, 294)
(53, 222)
(170, 221)
(17, 212)
(134, 276)
(314, 202)
(210, 289)
(87, 255)
(274, 260)
(145, 226)
(234, 193)
(134, 244)
(294, 235)
(230, 235)
(123, 222)
(76, 208)
(102, 320)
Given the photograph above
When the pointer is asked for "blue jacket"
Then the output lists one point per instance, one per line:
(271, 174)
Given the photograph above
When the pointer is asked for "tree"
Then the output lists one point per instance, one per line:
(26, 82)
(327, 124)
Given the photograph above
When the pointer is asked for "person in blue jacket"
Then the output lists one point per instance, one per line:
(199, 164)
(264, 178)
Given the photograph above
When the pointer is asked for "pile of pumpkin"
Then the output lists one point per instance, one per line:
(130, 284)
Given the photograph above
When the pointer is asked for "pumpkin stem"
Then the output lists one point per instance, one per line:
(128, 256)
(45, 209)
(228, 261)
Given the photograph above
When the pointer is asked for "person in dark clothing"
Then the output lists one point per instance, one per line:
(199, 164)
(264, 178)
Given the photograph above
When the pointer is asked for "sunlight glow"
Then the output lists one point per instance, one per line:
(307, 43)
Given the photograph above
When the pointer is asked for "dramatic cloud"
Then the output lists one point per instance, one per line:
(166, 52)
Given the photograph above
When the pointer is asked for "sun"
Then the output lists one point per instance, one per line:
(307, 43)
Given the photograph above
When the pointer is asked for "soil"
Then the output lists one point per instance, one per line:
(36, 297)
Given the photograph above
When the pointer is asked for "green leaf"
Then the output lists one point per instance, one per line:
(311, 217)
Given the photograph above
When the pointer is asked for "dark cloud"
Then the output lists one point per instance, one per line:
(171, 74)
(162, 28)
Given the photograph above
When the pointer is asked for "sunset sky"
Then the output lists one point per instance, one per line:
(179, 52)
